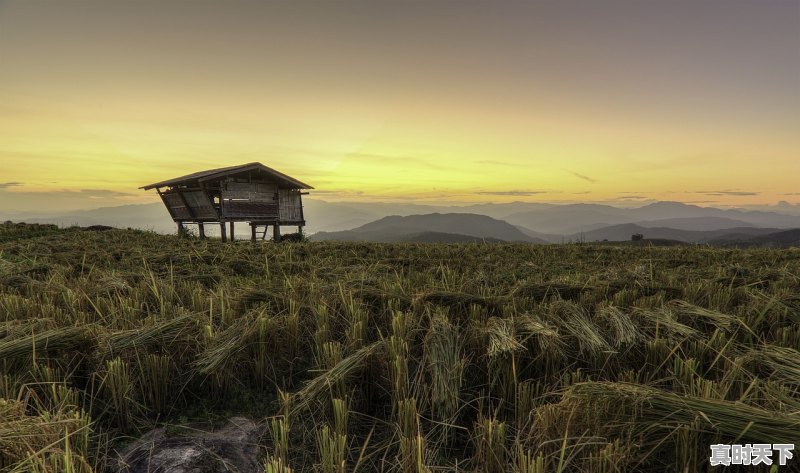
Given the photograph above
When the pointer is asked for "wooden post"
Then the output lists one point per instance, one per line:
(202, 230)
(232, 237)
(180, 229)
(276, 233)
(252, 232)
(222, 231)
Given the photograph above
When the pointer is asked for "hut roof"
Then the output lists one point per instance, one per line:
(213, 174)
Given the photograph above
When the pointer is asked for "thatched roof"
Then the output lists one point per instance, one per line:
(220, 173)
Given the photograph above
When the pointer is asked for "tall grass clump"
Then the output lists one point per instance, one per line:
(356, 357)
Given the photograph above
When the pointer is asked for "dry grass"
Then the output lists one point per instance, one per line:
(408, 357)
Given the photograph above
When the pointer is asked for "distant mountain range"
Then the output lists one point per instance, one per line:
(450, 227)
(517, 221)
(626, 230)
(782, 239)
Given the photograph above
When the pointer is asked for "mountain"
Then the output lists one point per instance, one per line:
(420, 237)
(575, 218)
(623, 232)
(403, 228)
(570, 218)
(781, 239)
(536, 221)
(143, 216)
(696, 223)
(548, 237)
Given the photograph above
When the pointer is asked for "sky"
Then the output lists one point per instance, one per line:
(408, 101)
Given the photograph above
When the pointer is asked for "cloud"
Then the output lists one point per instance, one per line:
(581, 176)
(516, 193)
(58, 200)
(727, 192)
(497, 163)
(104, 193)
(331, 192)
(6, 185)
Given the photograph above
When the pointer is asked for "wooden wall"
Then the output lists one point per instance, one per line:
(254, 201)
(291, 206)
(249, 200)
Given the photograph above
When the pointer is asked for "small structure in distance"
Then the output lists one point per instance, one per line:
(250, 192)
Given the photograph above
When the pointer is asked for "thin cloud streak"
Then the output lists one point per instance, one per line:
(585, 178)
(728, 192)
(514, 193)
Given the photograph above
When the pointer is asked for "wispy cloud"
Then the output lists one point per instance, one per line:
(6, 185)
(581, 176)
(98, 193)
(496, 163)
(516, 193)
(334, 192)
(727, 192)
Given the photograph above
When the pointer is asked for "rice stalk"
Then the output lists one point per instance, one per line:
(170, 332)
(279, 430)
(332, 449)
(660, 410)
(445, 367)
(275, 465)
(490, 449)
(623, 330)
(117, 386)
(321, 384)
(58, 339)
(502, 338)
(156, 381)
(572, 319)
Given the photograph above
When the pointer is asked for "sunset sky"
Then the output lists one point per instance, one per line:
(437, 101)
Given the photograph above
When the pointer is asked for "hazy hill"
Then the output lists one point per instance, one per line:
(574, 218)
(565, 219)
(142, 216)
(624, 231)
(551, 222)
(696, 223)
(781, 239)
(397, 228)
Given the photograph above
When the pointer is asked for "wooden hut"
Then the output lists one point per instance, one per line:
(251, 193)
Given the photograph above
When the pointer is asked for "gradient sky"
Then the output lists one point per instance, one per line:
(439, 101)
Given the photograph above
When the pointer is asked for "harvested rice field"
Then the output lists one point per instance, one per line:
(359, 357)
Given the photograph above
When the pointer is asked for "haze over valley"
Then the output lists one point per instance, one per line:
(511, 222)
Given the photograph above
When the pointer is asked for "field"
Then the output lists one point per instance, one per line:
(396, 357)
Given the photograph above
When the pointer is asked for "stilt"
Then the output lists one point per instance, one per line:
(222, 231)
(202, 230)
(180, 229)
(253, 232)
(276, 233)
(232, 237)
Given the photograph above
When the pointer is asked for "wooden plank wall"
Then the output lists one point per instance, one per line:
(200, 205)
(249, 200)
(175, 206)
(291, 206)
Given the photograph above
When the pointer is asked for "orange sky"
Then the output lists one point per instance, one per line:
(696, 101)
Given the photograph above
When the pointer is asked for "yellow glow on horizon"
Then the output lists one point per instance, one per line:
(439, 158)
